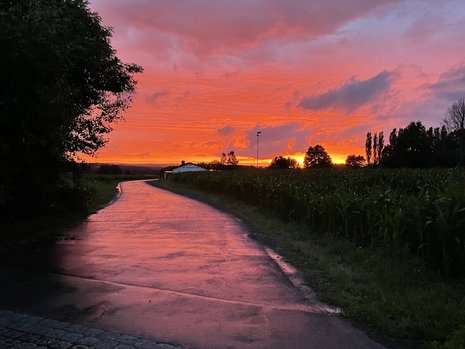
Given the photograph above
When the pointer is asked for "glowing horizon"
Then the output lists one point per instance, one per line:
(303, 73)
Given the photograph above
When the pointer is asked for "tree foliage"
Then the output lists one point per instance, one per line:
(62, 87)
(416, 146)
(231, 159)
(356, 161)
(317, 157)
(281, 162)
(368, 147)
(455, 116)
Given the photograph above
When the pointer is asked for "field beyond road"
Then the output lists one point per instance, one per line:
(387, 246)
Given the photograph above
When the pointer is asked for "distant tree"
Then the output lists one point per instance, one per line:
(355, 161)
(455, 123)
(393, 138)
(224, 159)
(380, 147)
(281, 162)
(375, 148)
(368, 147)
(317, 157)
(455, 116)
(231, 159)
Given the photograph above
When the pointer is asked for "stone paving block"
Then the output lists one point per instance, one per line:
(18, 317)
(124, 346)
(25, 346)
(130, 340)
(30, 337)
(77, 328)
(22, 326)
(56, 333)
(110, 336)
(164, 346)
(72, 337)
(105, 345)
(8, 341)
(145, 344)
(87, 341)
(38, 329)
(5, 313)
(59, 344)
(51, 323)
(32, 319)
(91, 332)
(12, 334)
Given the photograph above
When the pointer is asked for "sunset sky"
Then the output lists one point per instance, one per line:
(302, 72)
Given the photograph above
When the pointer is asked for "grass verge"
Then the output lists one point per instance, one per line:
(393, 296)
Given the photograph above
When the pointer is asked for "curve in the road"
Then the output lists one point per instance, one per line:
(157, 264)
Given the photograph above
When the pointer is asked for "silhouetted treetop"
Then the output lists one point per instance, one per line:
(317, 157)
(455, 116)
(281, 162)
(356, 161)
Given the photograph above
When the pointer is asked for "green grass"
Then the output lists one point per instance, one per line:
(99, 190)
(391, 293)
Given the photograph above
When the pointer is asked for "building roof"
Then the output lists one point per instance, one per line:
(189, 165)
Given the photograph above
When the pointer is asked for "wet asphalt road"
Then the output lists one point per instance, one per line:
(159, 265)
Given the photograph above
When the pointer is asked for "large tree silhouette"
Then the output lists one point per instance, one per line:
(61, 88)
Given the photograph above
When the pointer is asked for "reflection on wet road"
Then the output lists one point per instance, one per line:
(158, 264)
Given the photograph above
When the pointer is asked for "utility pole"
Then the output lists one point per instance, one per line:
(258, 143)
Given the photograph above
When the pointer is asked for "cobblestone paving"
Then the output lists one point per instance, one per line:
(22, 331)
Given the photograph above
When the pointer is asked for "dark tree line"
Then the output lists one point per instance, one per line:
(417, 146)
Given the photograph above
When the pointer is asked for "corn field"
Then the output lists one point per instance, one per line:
(419, 210)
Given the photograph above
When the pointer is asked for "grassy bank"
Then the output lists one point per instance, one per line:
(98, 190)
(395, 292)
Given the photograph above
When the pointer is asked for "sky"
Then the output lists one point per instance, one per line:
(301, 72)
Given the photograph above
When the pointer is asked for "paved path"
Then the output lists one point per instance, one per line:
(21, 331)
(159, 265)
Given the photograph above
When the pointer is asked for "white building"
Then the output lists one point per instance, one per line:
(185, 167)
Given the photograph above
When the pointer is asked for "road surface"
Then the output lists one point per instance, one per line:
(158, 265)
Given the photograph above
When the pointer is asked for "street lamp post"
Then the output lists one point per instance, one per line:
(258, 143)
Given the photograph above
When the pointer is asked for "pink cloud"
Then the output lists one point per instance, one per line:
(222, 26)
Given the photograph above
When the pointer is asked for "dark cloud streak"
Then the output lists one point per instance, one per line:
(352, 94)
